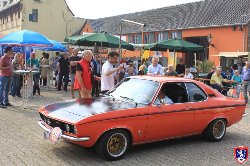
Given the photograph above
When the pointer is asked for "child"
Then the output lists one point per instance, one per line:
(237, 81)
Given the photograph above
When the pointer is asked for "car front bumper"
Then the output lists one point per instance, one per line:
(66, 137)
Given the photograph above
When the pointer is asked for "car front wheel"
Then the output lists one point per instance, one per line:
(114, 144)
(216, 130)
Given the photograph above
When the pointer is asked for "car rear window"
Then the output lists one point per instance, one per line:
(195, 93)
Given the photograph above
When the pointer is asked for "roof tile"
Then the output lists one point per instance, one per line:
(189, 15)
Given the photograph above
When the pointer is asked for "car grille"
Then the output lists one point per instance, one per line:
(54, 123)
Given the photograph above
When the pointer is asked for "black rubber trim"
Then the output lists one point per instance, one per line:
(163, 112)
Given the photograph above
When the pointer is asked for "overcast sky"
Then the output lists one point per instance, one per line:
(93, 9)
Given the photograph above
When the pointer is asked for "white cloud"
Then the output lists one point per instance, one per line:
(103, 8)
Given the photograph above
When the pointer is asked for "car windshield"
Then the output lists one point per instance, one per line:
(135, 90)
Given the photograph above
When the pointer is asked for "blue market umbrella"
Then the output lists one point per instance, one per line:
(57, 46)
(25, 38)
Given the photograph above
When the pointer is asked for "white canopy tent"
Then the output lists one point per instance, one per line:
(232, 54)
(231, 57)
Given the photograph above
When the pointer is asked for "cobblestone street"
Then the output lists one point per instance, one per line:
(22, 143)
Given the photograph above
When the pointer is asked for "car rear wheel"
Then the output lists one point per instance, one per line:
(113, 145)
(216, 130)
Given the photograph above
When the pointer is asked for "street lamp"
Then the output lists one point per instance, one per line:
(130, 22)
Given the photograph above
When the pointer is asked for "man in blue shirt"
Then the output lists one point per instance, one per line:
(33, 64)
(246, 80)
(155, 68)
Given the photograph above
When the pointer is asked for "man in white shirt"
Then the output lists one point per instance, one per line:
(155, 68)
(109, 72)
(163, 99)
(188, 75)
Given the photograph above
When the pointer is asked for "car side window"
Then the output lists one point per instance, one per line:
(172, 93)
(195, 94)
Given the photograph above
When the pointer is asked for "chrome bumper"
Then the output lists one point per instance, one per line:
(70, 138)
(244, 115)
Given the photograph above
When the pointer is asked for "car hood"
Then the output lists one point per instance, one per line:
(76, 110)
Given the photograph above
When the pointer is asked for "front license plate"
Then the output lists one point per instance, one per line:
(55, 134)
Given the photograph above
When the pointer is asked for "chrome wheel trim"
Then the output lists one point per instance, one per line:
(121, 150)
(219, 129)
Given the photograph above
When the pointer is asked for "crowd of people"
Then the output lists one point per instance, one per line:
(90, 74)
(11, 82)
(218, 80)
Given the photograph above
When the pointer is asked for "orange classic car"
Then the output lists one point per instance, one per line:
(139, 110)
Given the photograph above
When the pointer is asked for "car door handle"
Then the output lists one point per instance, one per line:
(188, 108)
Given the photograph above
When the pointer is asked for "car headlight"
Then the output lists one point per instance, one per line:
(67, 128)
(75, 129)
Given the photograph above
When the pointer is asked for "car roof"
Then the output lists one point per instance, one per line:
(163, 79)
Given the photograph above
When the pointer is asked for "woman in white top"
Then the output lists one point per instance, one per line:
(188, 75)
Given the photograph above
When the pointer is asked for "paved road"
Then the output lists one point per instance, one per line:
(21, 143)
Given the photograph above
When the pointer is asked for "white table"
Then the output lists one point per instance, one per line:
(27, 84)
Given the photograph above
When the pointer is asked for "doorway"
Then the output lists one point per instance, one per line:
(201, 56)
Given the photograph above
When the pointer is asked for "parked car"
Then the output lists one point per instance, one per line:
(142, 109)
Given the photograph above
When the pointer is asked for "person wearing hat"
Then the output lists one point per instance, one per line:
(142, 70)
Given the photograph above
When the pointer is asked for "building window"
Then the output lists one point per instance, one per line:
(159, 37)
(135, 39)
(174, 35)
(179, 35)
(18, 14)
(11, 17)
(34, 16)
(146, 39)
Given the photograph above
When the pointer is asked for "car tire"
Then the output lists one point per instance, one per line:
(216, 130)
(113, 145)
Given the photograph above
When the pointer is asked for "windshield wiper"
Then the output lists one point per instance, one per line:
(127, 98)
(109, 95)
